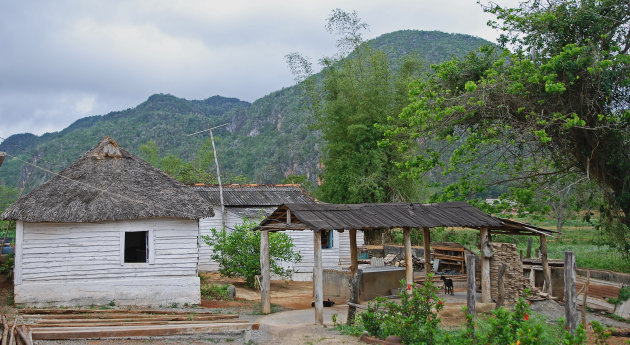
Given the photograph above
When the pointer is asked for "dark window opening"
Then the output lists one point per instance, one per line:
(327, 239)
(136, 246)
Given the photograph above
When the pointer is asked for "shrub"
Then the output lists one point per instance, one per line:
(415, 319)
(216, 291)
(238, 252)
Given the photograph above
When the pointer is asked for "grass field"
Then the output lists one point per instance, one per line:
(578, 236)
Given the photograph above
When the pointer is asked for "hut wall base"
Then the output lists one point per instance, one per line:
(130, 291)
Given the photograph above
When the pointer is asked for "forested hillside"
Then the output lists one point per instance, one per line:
(265, 141)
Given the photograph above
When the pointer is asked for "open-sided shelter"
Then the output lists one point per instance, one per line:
(251, 201)
(352, 217)
(109, 227)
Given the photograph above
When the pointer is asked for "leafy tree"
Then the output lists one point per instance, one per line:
(150, 153)
(238, 252)
(557, 105)
(357, 94)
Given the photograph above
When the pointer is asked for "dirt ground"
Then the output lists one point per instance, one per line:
(290, 296)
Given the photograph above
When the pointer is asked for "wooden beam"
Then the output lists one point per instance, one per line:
(545, 264)
(318, 281)
(354, 281)
(427, 250)
(354, 258)
(408, 258)
(471, 284)
(61, 333)
(485, 267)
(283, 227)
(265, 284)
(570, 296)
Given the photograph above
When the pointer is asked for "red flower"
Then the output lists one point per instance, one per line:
(526, 317)
(440, 303)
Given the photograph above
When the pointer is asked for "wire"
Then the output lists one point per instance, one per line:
(104, 190)
(5, 140)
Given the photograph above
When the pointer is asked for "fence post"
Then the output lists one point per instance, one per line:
(570, 296)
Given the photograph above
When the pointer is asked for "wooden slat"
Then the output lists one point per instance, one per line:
(61, 333)
(449, 249)
(113, 311)
(73, 318)
(131, 323)
(448, 257)
(132, 316)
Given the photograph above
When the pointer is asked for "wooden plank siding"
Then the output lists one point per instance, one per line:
(84, 251)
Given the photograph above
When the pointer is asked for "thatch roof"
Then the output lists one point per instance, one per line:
(107, 184)
(248, 195)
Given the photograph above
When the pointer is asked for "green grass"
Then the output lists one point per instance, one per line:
(578, 236)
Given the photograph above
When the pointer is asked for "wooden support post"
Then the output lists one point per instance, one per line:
(354, 280)
(318, 281)
(528, 253)
(486, 297)
(354, 258)
(471, 284)
(545, 264)
(408, 259)
(354, 296)
(426, 234)
(588, 282)
(570, 297)
(501, 286)
(265, 284)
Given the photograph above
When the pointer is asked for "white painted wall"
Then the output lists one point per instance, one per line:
(81, 263)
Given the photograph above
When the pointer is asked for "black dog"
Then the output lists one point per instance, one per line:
(448, 285)
(328, 303)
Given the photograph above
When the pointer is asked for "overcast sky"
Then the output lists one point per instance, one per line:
(63, 60)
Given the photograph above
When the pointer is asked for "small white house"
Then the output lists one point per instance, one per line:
(109, 227)
(256, 201)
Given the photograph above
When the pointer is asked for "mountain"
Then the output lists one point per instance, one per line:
(265, 140)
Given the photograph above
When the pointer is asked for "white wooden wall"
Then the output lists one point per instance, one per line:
(91, 254)
(336, 257)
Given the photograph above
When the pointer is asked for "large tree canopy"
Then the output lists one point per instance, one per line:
(557, 104)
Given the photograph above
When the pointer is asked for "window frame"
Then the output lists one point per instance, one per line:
(331, 239)
(150, 252)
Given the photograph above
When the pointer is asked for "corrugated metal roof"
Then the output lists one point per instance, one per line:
(255, 195)
(384, 216)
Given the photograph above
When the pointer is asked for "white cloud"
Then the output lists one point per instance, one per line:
(66, 59)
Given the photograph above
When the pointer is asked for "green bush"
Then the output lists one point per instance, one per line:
(238, 252)
(415, 319)
(216, 291)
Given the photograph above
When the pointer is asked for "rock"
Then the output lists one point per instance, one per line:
(231, 292)
(394, 339)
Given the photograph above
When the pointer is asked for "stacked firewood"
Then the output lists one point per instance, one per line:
(12, 334)
(513, 281)
(418, 263)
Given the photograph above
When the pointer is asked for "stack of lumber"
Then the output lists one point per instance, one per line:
(12, 334)
(513, 280)
(60, 324)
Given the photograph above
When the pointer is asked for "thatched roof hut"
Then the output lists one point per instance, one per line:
(108, 184)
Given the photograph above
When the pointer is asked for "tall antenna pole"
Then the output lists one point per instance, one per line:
(216, 163)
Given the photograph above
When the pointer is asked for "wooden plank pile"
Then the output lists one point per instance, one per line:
(60, 324)
(12, 334)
